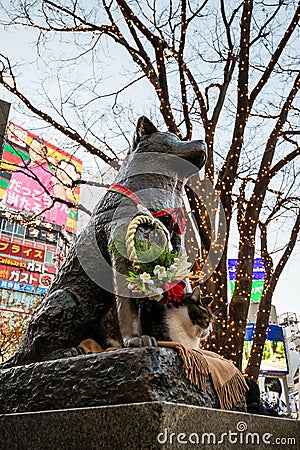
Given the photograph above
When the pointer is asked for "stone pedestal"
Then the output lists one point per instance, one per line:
(145, 426)
(110, 378)
(127, 399)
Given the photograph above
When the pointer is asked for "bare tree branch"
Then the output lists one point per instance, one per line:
(66, 131)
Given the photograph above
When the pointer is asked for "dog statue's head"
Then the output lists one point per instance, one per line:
(148, 139)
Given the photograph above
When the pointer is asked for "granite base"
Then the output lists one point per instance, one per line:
(145, 426)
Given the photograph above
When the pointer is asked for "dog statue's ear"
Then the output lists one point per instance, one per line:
(144, 128)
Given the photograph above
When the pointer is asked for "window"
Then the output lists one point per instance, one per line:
(7, 227)
(50, 258)
(19, 230)
(12, 229)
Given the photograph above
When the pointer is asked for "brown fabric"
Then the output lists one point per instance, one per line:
(90, 346)
(195, 365)
(229, 384)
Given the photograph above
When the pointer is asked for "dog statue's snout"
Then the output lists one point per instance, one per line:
(194, 152)
(197, 145)
(201, 144)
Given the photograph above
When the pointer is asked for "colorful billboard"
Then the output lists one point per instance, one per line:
(274, 360)
(34, 173)
(257, 280)
(25, 267)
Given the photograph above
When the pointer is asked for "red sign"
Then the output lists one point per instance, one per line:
(22, 251)
(13, 262)
(40, 268)
(18, 275)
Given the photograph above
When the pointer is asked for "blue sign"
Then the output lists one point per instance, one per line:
(274, 360)
(258, 269)
(274, 333)
(22, 287)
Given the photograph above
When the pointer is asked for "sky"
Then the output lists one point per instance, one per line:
(19, 46)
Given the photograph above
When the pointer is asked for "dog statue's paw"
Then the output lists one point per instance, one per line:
(140, 341)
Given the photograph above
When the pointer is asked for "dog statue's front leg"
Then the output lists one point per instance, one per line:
(128, 313)
(130, 324)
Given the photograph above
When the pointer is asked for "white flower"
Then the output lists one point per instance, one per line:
(156, 294)
(176, 260)
(130, 286)
(159, 291)
(145, 277)
(173, 267)
(160, 272)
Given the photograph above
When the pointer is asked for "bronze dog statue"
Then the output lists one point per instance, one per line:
(88, 297)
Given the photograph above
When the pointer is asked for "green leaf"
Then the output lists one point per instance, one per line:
(132, 274)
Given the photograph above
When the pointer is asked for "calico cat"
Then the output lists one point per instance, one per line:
(186, 322)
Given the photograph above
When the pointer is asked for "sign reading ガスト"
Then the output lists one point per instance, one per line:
(34, 172)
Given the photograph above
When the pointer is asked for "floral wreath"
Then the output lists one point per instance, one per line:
(158, 276)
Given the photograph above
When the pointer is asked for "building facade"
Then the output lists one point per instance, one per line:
(39, 192)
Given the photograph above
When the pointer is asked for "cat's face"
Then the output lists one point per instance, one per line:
(199, 311)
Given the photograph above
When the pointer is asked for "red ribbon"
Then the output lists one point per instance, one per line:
(177, 214)
(125, 191)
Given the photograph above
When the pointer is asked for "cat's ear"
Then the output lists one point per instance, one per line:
(144, 128)
(195, 295)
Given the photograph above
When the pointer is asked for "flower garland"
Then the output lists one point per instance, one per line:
(155, 271)
(162, 278)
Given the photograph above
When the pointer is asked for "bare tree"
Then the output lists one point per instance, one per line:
(14, 319)
(228, 70)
